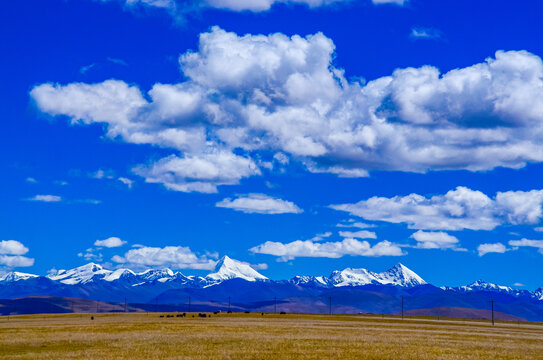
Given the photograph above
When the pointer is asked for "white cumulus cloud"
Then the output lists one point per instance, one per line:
(458, 209)
(435, 240)
(201, 173)
(260, 204)
(111, 242)
(16, 261)
(538, 244)
(10, 254)
(491, 248)
(12, 247)
(177, 257)
(308, 248)
(246, 97)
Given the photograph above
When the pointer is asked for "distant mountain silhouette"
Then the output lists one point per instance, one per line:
(236, 286)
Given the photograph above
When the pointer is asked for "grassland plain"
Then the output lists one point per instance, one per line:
(256, 336)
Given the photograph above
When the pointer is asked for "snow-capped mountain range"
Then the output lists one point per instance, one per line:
(481, 285)
(229, 269)
(226, 269)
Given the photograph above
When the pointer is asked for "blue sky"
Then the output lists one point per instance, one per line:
(184, 133)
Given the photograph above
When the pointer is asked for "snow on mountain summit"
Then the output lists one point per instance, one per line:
(403, 276)
(80, 275)
(16, 276)
(125, 274)
(228, 268)
(483, 285)
(399, 275)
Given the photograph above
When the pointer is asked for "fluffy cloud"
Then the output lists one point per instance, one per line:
(202, 173)
(362, 234)
(16, 261)
(458, 209)
(10, 254)
(177, 257)
(491, 248)
(46, 198)
(248, 97)
(538, 244)
(12, 247)
(339, 249)
(435, 240)
(261, 204)
(111, 242)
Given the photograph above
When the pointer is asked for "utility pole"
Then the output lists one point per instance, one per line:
(402, 307)
(275, 306)
(330, 305)
(492, 302)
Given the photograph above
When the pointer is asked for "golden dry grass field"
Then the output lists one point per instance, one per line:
(253, 336)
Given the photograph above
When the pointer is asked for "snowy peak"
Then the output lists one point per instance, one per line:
(403, 276)
(398, 275)
(16, 276)
(228, 268)
(160, 275)
(481, 285)
(352, 277)
(538, 294)
(80, 275)
(315, 281)
(121, 274)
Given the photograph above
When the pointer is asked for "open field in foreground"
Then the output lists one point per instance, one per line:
(252, 336)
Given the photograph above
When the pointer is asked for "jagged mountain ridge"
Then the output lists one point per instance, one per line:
(483, 286)
(94, 275)
(226, 269)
